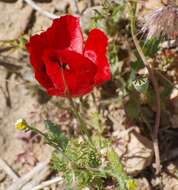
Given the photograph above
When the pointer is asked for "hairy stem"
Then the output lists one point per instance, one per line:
(156, 89)
(81, 122)
(51, 143)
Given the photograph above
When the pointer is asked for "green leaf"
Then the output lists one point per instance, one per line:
(69, 177)
(115, 162)
(56, 135)
(167, 90)
(131, 79)
(151, 47)
(83, 154)
(100, 142)
(117, 169)
(138, 64)
(95, 120)
(21, 42)
(117, 12)
(141, 84)
(132, 108)
(58, 162)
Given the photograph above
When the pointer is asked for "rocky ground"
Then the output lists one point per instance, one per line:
(21, 97)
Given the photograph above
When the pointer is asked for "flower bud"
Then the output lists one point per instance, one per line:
(21, 124)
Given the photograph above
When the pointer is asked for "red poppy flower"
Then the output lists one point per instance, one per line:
(63, 62)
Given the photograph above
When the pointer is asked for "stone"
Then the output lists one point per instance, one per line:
(135, 151)
(14, 19)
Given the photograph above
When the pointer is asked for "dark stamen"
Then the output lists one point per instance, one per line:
(63, 65)
(57, 61)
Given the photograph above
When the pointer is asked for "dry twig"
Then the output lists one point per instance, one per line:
(48, 183)
(37, 179)
(37, 8)
(26, 178)
(8, 170)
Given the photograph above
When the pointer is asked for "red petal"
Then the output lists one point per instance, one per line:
(103, 73)
(36, 47)
(53, 71)
(97, 41)
(81, 79)
(78, 78)
(65, 33)
(54, 92)
(95, 50)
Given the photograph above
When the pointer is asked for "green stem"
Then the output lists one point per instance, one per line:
(49, 141)
(81, 122)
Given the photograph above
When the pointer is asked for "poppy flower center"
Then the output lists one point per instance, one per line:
(57, 60)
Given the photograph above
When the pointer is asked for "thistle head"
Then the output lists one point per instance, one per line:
(162, 22)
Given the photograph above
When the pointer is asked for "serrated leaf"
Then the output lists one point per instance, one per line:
(83, 154)
(69, 177)
(117, 169)
(58, 162)
(115, 162)
(100, 141)
(95, 119)
(141, 85)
